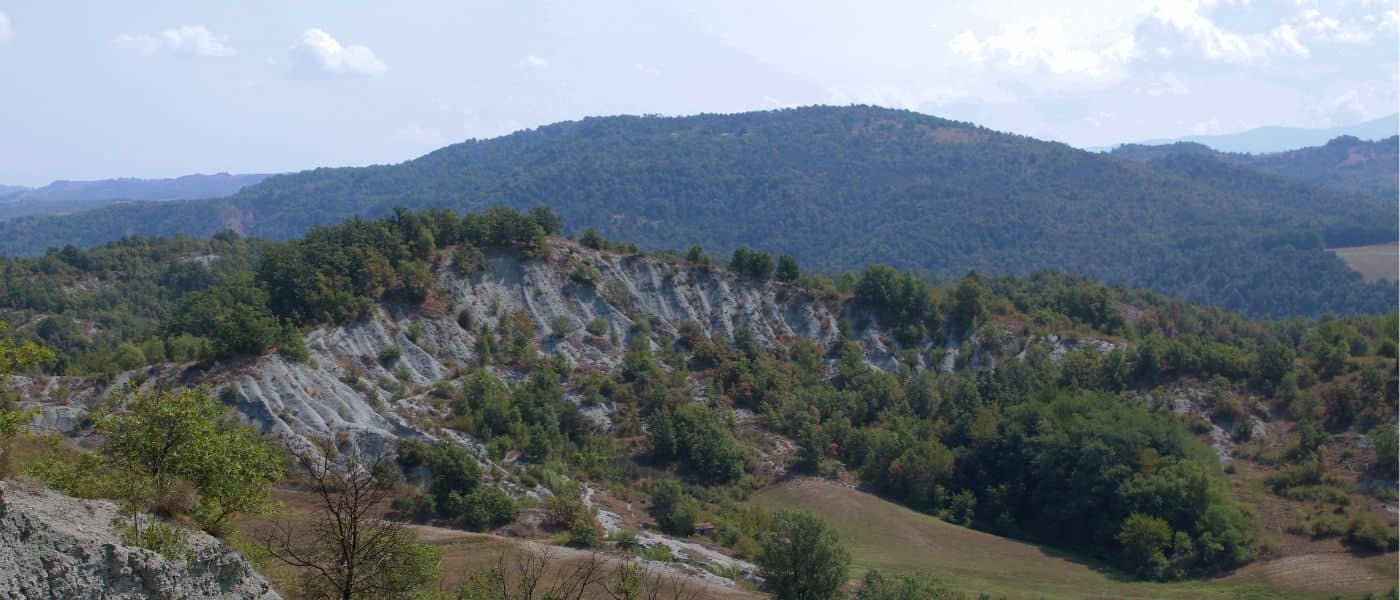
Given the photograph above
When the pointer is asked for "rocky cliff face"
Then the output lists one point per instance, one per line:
(347, 393)
(54, 546)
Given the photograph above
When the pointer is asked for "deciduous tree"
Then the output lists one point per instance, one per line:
(801, 558)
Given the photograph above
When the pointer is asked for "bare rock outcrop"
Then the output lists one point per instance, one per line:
(54, 546)
(369, 381)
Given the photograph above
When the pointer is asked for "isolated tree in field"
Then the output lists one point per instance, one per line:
(164, 441)
(801, 558)
(347, 550)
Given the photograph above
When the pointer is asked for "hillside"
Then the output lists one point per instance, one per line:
(886, 536)
(1345, 164)
(838, 188)
(1046, 409)
(61, 197)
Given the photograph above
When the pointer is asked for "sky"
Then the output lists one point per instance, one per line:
(153, 88)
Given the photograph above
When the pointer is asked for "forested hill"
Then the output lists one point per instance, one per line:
(838, 188)
(70, 196)
(1346, 163)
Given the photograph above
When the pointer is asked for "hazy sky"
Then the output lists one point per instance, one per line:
(157, 88)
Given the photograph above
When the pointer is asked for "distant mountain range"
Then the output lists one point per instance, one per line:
(839, 188)
(69, 196)
(1279, 139)
(1345, 163)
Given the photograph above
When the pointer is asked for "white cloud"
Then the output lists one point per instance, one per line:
(1099, 41)
(6, 31)
(189, 40)
(1213, 42)
(195, 40)
(535, 62)
(320, 55)
(1288, 39)
(1390, 21)
(1209, 39)
(1049, 44)
(1332, 29)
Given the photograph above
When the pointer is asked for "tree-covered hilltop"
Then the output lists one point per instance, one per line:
(1345, 164)
(103, 309)
(838, 188)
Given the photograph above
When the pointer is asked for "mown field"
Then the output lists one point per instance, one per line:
(889, 537)
(1375, 262)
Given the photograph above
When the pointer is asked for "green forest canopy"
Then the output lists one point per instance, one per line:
(839, 188)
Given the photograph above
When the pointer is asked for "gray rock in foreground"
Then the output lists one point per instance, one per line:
(55, 546)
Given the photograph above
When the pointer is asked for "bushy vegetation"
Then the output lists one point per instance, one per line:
(922, 586)
(177, 455)
(531, 417)
(1011, 453)
(336, 273)
(14, 355)
(159, 443)
(455, 492)
(103, 310)
(700, 438)
(137, 301)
